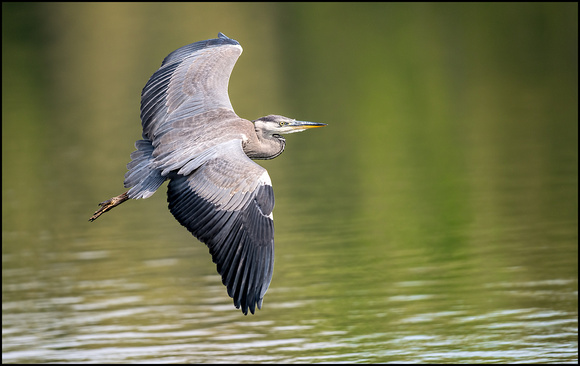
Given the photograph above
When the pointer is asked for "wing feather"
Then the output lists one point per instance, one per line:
(191, 80)
(227, 203)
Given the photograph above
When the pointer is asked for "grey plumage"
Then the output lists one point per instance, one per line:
(192, 136)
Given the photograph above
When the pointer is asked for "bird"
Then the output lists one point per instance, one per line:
(193, 138)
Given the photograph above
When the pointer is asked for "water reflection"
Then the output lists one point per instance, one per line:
(435, 220)
(375, 327)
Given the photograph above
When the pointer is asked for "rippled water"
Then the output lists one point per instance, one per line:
(333, 298)
(435, 219)
(165, 310)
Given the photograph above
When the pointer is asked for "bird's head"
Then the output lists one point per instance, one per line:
(279, 125)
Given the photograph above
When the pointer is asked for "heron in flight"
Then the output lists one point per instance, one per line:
(193, 138)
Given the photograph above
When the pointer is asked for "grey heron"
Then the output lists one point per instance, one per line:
(193, 138)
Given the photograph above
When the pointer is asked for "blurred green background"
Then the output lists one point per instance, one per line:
(451, 155)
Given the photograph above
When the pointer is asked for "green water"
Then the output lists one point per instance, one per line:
(434, 220)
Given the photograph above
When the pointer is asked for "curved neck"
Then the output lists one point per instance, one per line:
(265, 147)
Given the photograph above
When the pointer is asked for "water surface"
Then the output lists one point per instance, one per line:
(435, 219)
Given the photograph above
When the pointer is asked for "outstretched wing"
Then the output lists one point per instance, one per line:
(191, 80)
(185, 109)
(226, 200)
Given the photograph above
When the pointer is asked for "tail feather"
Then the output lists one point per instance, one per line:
(142, 179)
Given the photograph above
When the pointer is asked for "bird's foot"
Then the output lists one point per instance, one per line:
(109, 204)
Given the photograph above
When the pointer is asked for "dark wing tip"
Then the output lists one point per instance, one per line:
(227, 39)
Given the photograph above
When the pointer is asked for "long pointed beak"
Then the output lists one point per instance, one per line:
(302, 125)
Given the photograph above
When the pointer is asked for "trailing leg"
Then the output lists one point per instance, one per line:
(109, 204)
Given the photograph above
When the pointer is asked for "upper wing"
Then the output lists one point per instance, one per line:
(191, 80)
(185, 109)
(226, 200)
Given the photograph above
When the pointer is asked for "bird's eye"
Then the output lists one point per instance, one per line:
(283, 124)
